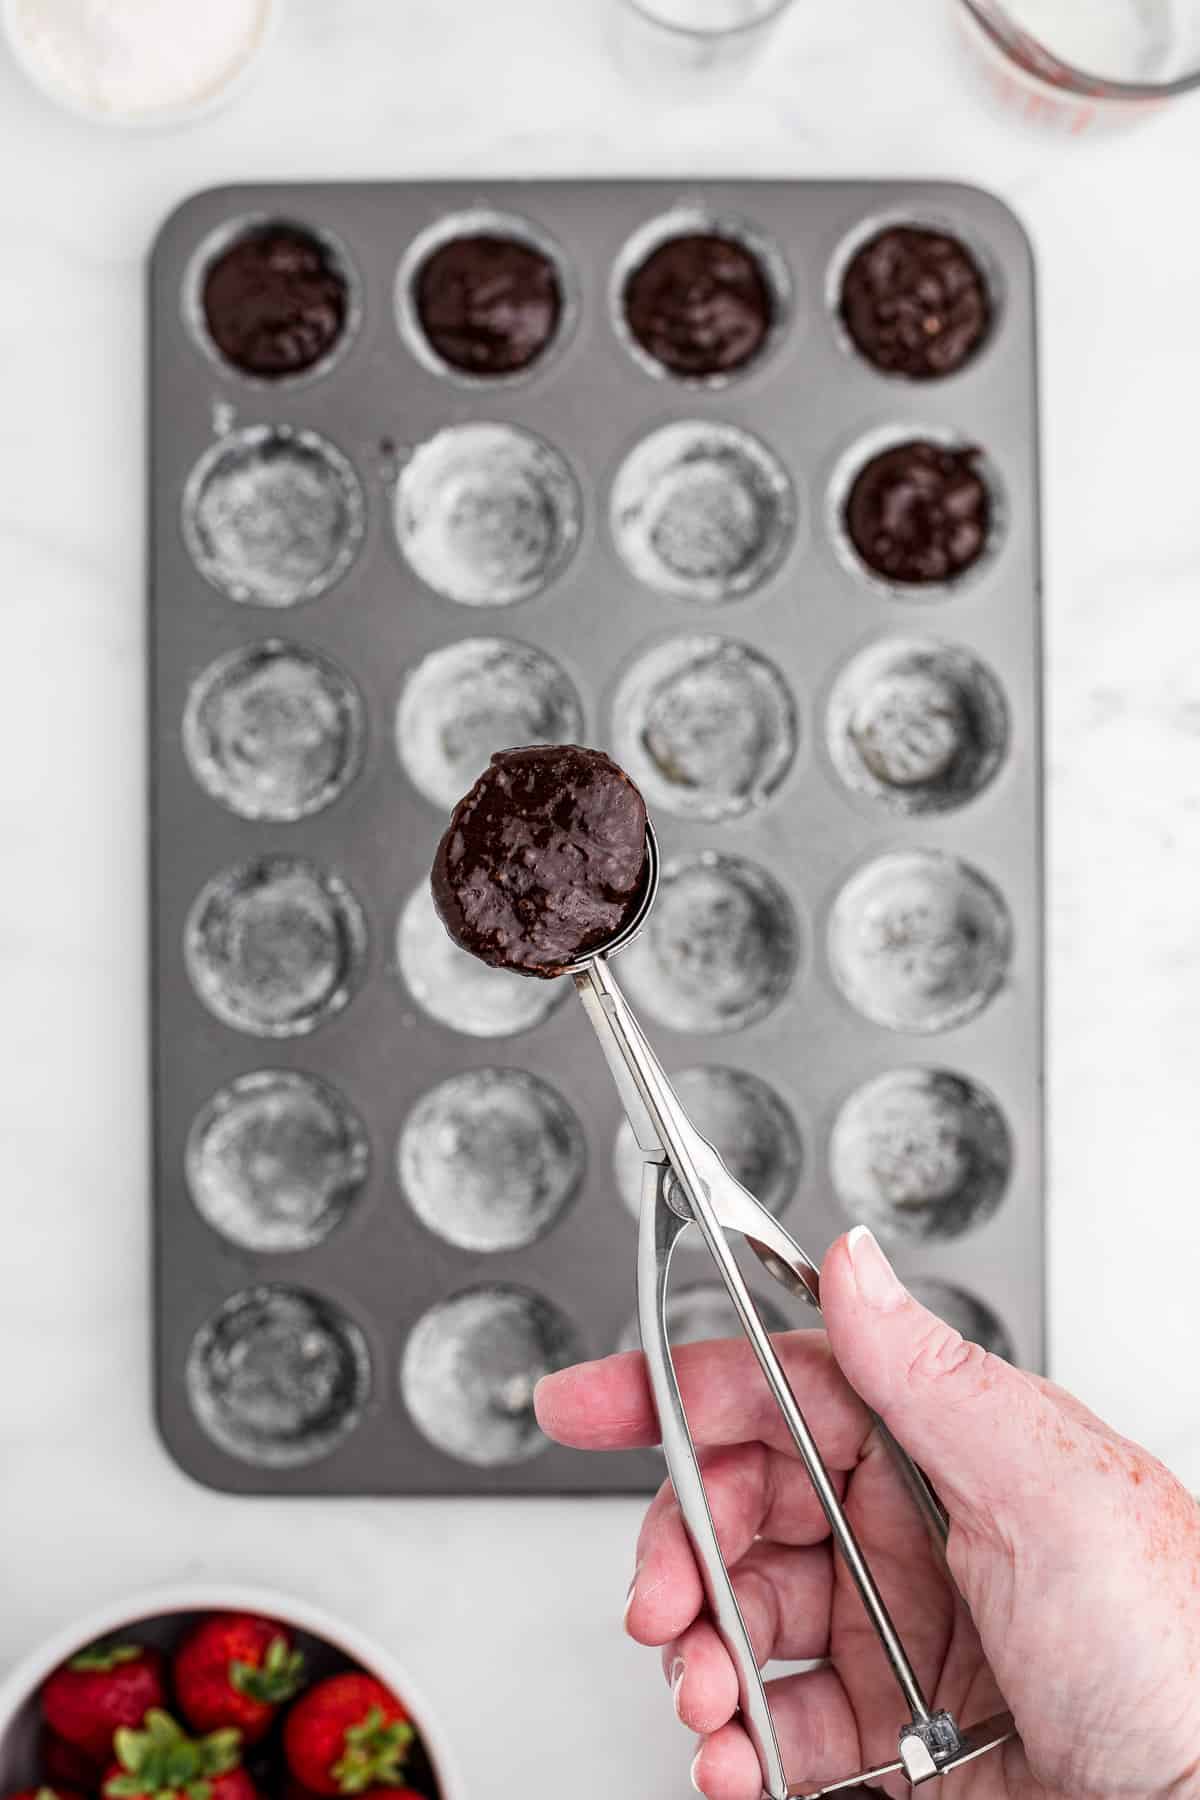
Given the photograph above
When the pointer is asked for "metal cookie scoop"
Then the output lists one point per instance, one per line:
(685, 1183)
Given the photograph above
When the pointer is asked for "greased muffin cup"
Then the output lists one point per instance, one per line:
(391, 1184)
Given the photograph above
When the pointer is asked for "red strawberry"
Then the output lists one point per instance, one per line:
(161, 1762)
(347, 1735)
(236, 1669)
(105, 1686)
(65, 1766)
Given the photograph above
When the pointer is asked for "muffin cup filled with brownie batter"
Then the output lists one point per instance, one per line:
(272, 300)
(913, 298)
(485, 298)
(699, 299)
(915, 512)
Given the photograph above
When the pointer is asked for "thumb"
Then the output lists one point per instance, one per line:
(972, 1421)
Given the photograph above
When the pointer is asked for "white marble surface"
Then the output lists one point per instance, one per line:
(510, 1611)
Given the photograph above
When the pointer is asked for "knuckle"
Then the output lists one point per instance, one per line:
(942, 1355)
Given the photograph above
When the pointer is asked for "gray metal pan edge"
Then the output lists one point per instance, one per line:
(810, 400)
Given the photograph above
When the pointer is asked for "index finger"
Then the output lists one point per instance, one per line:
(607, 1405)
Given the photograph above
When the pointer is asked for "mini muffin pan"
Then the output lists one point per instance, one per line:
(393, 1186)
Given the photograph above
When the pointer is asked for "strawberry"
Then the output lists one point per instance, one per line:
(236, 1669)
(347, 1735)
(64, 1766)
(107, 1685)
(164, 1764)
(45, 1792)
(292, 1790)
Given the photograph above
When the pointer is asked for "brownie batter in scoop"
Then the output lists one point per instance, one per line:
(919, 512)
(488, 305)
(544, 860)
(915, 302)
(274, 303)
(700, 305)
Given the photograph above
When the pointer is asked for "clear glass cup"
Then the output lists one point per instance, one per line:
(1078, 64)
(687, 47)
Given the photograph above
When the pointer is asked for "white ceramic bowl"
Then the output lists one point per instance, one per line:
(165, 117)
(160, 1617)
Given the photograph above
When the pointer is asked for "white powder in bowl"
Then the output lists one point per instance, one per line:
(136, 58)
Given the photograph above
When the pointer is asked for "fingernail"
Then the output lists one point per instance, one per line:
(694, 1767)
(629, 1598)
(874, 1276)
(677, 1672)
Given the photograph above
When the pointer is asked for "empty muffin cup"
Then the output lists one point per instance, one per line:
(920, 1155)
(275, 1161)
(275, 946)
(745, 1121)
(278, 1377)
(705, 726)
(969, 1316)
(699, 299)
(470, 1367)
(486, 515)
(457, 989)
(719, 949)
(273, 731)
(491, 1159)
(485, 297)
(273, 516)
(465, 701)
(703, 511)
(919, 941)
(697, 1314)
(918, 725)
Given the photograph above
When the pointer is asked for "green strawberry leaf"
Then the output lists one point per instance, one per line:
(100, 1658)
(277, 1678)
(374, 1753)
(125, 1743)
(220, 1751)
(161, 1762)
(162, 1730)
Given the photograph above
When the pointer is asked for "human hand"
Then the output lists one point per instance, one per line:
(1076, 1555)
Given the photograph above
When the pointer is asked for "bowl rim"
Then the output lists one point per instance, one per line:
(22, 1679)
(164, 118)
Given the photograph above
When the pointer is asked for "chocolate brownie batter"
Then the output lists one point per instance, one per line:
(488, 305)
(915, 302)
(919, 512)
(544, 860)
(699, 305)
(274, 303)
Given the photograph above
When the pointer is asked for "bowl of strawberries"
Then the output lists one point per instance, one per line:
(208, 1694)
